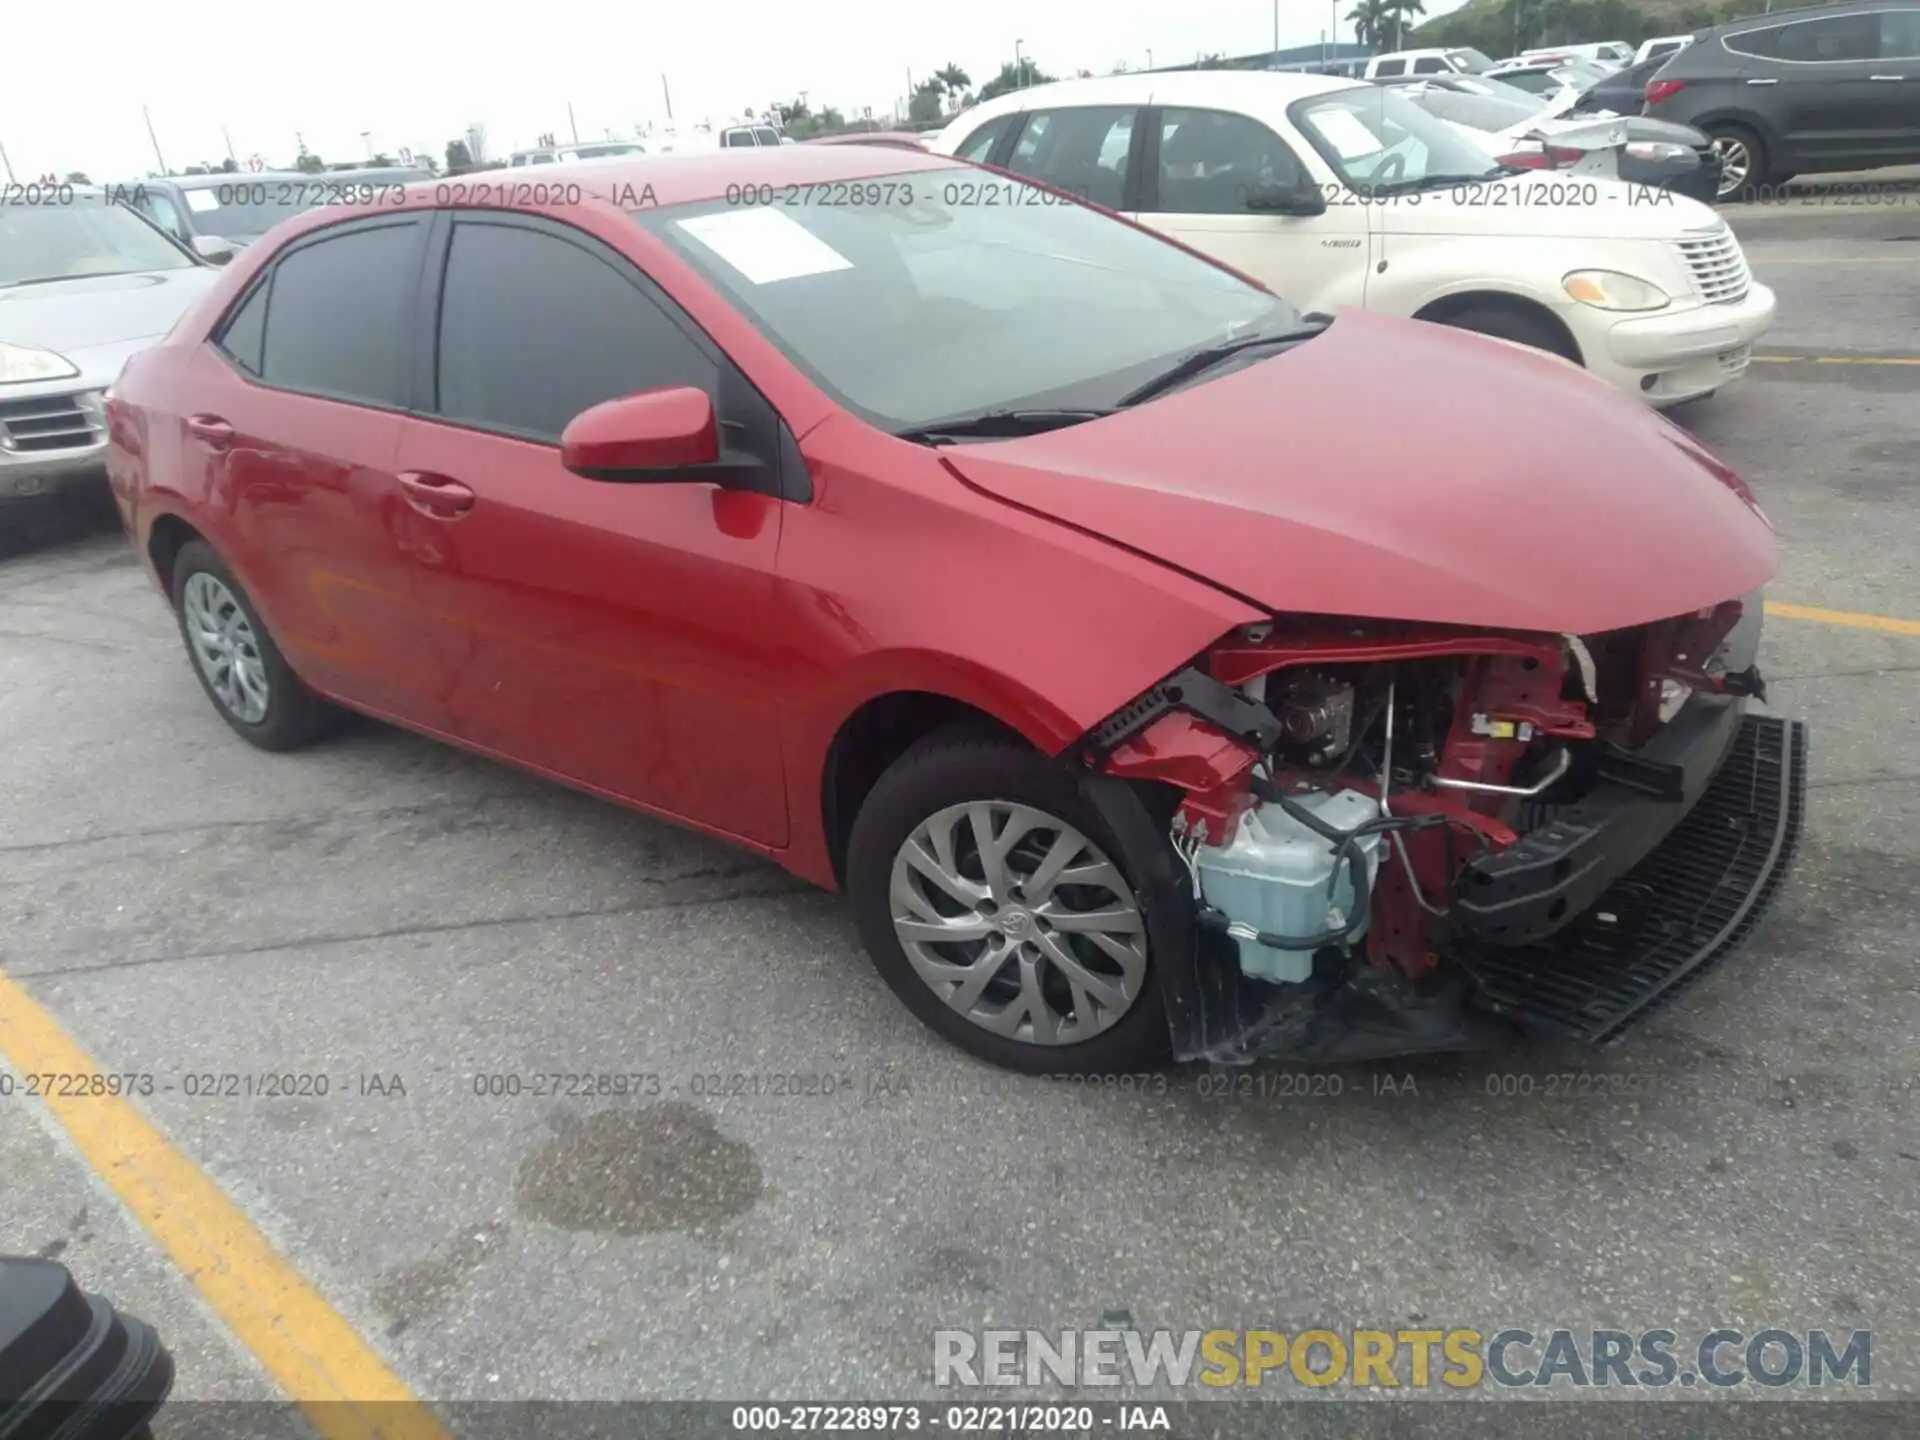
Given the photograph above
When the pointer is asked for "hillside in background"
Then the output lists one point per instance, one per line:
(1494, 26)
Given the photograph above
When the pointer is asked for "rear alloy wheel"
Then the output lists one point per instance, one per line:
(1743, 161)
(997, 906)
(237, 663)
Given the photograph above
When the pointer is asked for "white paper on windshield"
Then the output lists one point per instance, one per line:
(765, 245)
(202, 200)
(1346, 132)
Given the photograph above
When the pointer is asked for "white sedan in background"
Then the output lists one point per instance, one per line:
(1339, 193)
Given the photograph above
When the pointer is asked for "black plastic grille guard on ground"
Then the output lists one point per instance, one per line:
(1667, 922)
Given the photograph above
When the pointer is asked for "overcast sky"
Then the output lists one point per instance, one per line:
(414, 74)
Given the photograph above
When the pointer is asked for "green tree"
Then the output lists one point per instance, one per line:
(1402, 16)
(309, 163)
(1372, 22)
(926, 104)
(458, 156)
(1029, 74)
(956, 82)
(78, 177)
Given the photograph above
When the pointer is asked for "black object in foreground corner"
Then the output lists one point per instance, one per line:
(71, 1366)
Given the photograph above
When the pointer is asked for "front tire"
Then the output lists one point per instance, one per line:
(235, 659)
(999, 906)
(1504, 323)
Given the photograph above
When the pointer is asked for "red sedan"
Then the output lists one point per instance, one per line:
(1157, 668)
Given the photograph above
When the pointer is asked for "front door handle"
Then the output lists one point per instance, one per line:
(1763, 82)
(211, 428)
(436, 496)
(1886, 77)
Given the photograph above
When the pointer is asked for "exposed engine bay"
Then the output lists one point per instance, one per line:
(1385, 828)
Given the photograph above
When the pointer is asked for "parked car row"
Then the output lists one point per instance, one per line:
(1788, 92)
(1342, 193)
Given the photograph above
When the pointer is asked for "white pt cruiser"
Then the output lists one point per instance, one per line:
(1336, 193)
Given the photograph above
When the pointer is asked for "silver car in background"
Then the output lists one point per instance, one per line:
(84, 283)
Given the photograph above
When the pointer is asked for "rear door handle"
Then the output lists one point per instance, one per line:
(436, 495)
(1763, 82)
(211, 428)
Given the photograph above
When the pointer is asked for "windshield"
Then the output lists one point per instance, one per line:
(950, 292)
(1583, 73)
(88, 237)
(1377, 138)
(601, 152)
(1496, 89)
(1479, 112)
(247, 209)
(1469, 60)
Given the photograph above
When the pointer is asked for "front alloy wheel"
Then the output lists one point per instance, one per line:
(1018, 922)
(999, 901)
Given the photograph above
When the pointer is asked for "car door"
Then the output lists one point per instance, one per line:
(299, 420)
(1200, 168)
(1896, 81)
(618, 636)
(1824, 100)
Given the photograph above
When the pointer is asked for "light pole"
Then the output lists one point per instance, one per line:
(1149, 57)
(1019, 68)
(366, 138)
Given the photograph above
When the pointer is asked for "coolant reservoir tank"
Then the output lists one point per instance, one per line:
(1273, 876)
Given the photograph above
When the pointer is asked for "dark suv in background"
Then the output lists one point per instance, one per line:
(1800, 91)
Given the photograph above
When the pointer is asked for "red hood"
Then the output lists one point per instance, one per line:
(1401, 470)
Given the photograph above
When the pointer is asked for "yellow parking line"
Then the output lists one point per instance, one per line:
(1848, 618)
(1836, 359)
(312, 1353)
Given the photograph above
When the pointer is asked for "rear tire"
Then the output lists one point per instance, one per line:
(1743, 161)
(1048, 945)
(235, 660)
(1516, 325)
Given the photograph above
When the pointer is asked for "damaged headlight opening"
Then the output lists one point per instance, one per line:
(1396, 802)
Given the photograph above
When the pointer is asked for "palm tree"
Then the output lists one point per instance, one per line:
(1402, 13)
(1370, 20)
(956, 82)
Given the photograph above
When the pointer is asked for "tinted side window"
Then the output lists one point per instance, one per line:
(1210, 160)
(1432, 65)
(1391, 67)
(246, 331)
(1835, 38)
(534, 329)
(1900, 34)
(336, 314)
(980, 144)
(1081, 151)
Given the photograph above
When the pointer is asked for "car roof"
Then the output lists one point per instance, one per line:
(231, 177)
(1213, 89)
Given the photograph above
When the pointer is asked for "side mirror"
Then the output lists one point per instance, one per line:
(658, 437)
(212, 247)
(1286, 200)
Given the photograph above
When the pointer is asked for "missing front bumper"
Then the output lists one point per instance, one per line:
(1669, 920)
(1658, 928)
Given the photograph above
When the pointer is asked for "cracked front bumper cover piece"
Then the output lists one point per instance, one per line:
(1671, 919)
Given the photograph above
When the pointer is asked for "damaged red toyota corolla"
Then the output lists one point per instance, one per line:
(1158, 668)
